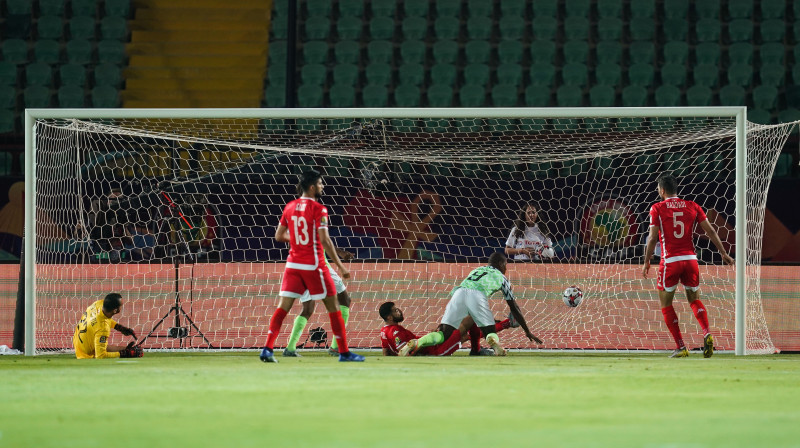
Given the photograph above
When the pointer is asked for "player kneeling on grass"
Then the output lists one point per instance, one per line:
(471, 298)
(93, 330)
(394, 336)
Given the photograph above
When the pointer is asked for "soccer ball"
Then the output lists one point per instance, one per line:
(573, 296)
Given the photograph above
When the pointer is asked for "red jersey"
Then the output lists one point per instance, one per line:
(303, 217)
(676, 220)
(394, 337)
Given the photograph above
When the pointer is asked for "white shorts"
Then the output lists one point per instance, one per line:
(468, 302)
(337, 281)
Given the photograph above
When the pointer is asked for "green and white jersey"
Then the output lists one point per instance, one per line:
(488, 280)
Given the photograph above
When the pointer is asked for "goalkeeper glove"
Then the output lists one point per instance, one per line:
(131, 351)
(125, 330)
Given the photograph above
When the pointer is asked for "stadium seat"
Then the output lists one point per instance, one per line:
(15, 51)
(8, 74)
(381, 28)
(118, 8)
(444, 74)
(676, 52)
(445, 51)
(602, 96)
(509, 52)
(569, 96)
(699, 95)
(740, 9)
(708, 30)
(7, 121)
(317, 8)
(379, 74)
(642, 9)
(673, 74)
(446, 28)
(609, 8)
(415, 8)
(275, 96)
(668, 96)
(440, 95)
(732, 95)
(38, 74)
(276, 74)
(72, 75)
(479, 27)
(345, 74)
(448, 8)
(542, 51)
(82, 27)
(789, 115)
(50, 27)
(740, 74)
(380, 51)
(608, 52)
(279, 27)
(509, 74)
(575, 28)
(542, 75)
(472, 95)
(545, 8)
(47, 51)
(411, 74)
(641, 75)
(773, 9)
(342, 95)
(8, 97)
(536, 96)
(641, 52)
(575, 51)
(706, 75)
(609, 29)
(407, 95)
(759, 116)
(765, 97)
(17, 26)
(477, 51)
(634, 96)
(773, 30)
(676, 30)
(114, 28)
(309, 95)
(740, 30)
(642, 28)
(37, 97)
(415, 28)
(51, 7)
(315, 52)
(383, 8)
(477, 74)
(505, 95)
(344, 52)
(79, 51)
(577, 8)
(772, 53)
(413, 51)
(544, 28)
(512, 8)
(707, 9)
(313, 74)
(608, 74)
(741, 53)
(707, 53)
(84, 7)
(277, 51)
(676, 9)
(349, 28)
(511, 27)
(575, 74)
(772, 74)
(72, 97)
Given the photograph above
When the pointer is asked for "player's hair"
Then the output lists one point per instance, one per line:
(386, 310)
(307, 179)
(112, 301)
(496, 258)
(668, 182)
(521, 223)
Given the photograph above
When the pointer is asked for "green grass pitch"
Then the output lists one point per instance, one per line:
(525, 399)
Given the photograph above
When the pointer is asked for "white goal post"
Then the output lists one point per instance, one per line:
(529, 140)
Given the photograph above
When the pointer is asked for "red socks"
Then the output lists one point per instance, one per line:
(671, 319)
(337, 325)
(474, 338)
(275, 327)
(502, 325)
(701, 314)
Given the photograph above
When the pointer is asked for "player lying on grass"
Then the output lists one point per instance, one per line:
(93, 330)
(394, 336)
(342, 296)
(471, 298)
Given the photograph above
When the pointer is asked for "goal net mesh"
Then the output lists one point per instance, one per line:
(179, 215)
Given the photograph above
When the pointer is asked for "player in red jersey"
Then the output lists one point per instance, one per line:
(673, 222)
(394, 336)
(304, 225)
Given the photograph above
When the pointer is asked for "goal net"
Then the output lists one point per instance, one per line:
(177, 210)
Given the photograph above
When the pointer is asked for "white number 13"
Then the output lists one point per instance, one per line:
(677, 224)
(300, 230)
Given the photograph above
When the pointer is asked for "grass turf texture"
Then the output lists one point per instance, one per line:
(525, 399)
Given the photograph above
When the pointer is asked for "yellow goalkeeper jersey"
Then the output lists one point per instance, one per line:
(92, 332)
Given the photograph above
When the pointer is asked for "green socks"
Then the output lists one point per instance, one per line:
(297, 329)
(345, 315)
(437, 337)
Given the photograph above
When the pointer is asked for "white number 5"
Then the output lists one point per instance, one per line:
(677, 224)
(300, 230)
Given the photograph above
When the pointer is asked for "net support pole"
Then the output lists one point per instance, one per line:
(30, 235)
(741, 231)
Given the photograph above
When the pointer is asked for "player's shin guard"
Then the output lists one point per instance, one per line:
(345, 316)
(297, 329)
(671, 319)
(701, 314)
(337, 325)
(275, 327)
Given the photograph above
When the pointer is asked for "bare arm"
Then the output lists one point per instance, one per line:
(712, 235)
(330, 249)
(282, 234)
(650, 250)
(517, 313)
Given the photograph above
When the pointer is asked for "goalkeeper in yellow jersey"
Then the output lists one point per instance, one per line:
(93, 330)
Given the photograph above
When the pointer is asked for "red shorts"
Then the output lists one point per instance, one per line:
(685, 271)
(318, 282)
(446, 348)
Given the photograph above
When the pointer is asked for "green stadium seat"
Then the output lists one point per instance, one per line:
(313, 74)
(773, 30)
(415, 8)
(445, 51)
(577, 8)
(315, 52)
(575, 51)
(446, 28)
(765, 97)
(545, 8)
(772, 53)
(114, 28)
(8, 74)
(509, 52)
(707, 9)
(51, 7)
(634, 96)
(512, 8)
(380, 51)
(411, 74)
(345, 52)
(676, 30)
(415, 28)
(511, 27)
(641, 75)
(276, 74)
(676, 9)
(37, 97)
(381, 28)
(505, 95)
(105, 97)
(72, 97)
(575, 28)
(407, 95)
(17, 26)
(342, 95)
(309, 95)
(349, 28)
(38, 74)
(50, 27)
(708, 30)
(277, 51)
(318, 8)
(608, 74)
(602, 96)
(732, 95)
(772, 74)
(436, 125)
(759, 116)
(479, 8)
(542, 51)
(542, 75)
(72, 75)
(275, 96)
(740, 9)
(476, 74)
(79, 51)
(47, 51)
(279, 27)
(544, 28)
(379, 74)
(668, 96)
(740, 74)
(773, 9)
(384, 8)
(8, 97)
(472, 95)
(413, 51)
(353, 8)
(676, 52)
(673, 74)
(444, 74)
(82, 27)
(642, 28)
(575, 74)
(609, 28)
(84, 7)
(479, 27)
(569, 96)
(642, 9)
(7, 120)
(509, 74)
(345, 74)
(608, 52)
(477, 51)
(741, 53)
(118, 8)
(440, 95)
(707, 53)
(15, 51)
(448, 8)
(706, 75)
(641, 52)
(789, 115)
(609, 8)
(699, 95)
(740, 30)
